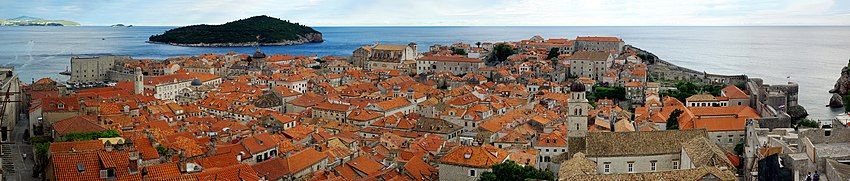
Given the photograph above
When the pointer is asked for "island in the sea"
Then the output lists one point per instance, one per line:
(33, 21)
(262, 30)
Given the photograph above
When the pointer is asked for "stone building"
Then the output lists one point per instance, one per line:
(592, 64)
(647, 155)
(592, 43)
(11, 86)
(92, 69)
(457, 65)
(360, 56)
(390, 56)
(332, 111)
(799, 151)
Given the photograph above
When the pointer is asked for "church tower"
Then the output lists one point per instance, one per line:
(578, 108)
(139, 82)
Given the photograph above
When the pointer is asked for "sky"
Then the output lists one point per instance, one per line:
(442, 12)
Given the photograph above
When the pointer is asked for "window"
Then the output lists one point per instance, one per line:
(606, 168)
(652, 165)
(471, 173)
(675, 165)
(631, 167)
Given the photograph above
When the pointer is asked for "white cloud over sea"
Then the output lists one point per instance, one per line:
(442, 12)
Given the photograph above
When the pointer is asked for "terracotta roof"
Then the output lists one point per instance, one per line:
(701, 98)
(273, 169)
(217, 161)
(146, 150)
(75, 147)
(359, 168)
(77, 124)
(590, 55)
(472, 156)
(730, 118)
(332, 106)
(417, 169)
(86, 166)
(392, 104)
(363, 115)
(234, 172)
(733, 92)
(278, 167)
(162, 170)
(389, 47)
(259, 143)
(554, 139)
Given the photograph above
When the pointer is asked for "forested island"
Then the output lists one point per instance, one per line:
(263, 29)
(33, 21)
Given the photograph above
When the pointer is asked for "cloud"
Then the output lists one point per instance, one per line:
(443, 12)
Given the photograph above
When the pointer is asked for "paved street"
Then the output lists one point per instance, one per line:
(16, 168)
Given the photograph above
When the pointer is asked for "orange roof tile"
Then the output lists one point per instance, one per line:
(77, 124)
(478, 157)
(733, 92)
(162, 170)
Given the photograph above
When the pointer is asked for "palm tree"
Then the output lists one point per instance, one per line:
(478, 44)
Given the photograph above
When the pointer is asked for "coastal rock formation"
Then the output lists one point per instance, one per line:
(842, 86)
(836, 101)
(262, 30)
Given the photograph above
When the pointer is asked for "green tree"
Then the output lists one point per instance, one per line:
(501, 52)
(270, 30)
(478, 44)
(553, 53)
(687, 89)
(614, 92)
(89, 136)
(673, 120)
(510, 171)
(739, 148)
(163, 151)
(458, 51)
(808, 123)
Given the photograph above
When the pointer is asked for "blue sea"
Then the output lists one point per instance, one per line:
(811, 56)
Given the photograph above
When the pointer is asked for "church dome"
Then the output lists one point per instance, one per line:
(196, 82)
(577, 87)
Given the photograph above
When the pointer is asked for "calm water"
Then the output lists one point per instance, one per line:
(811, 56)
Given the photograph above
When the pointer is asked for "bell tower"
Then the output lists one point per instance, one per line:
(578, 108)
(139, 82)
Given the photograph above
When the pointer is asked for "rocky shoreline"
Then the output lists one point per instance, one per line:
(841, 89)
(309, 38)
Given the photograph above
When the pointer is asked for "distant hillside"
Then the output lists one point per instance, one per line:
(272, 31)
(33, 21)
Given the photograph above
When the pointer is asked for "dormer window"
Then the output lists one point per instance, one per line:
(80, 167)
(60, 105)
